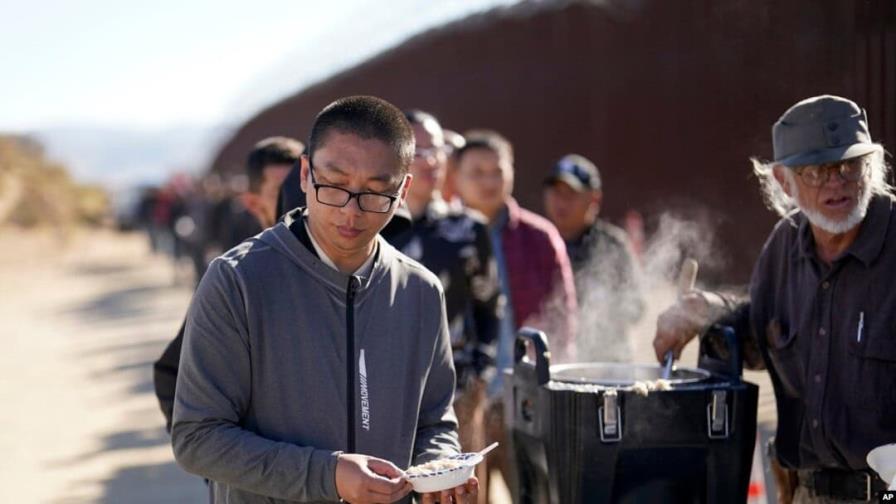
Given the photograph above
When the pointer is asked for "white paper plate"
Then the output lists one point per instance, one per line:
(447, 478)
(883, 460)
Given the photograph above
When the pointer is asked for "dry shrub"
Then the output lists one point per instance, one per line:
(35, 191)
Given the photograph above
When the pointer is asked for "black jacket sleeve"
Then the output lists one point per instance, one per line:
(487, 302)
(164, 375)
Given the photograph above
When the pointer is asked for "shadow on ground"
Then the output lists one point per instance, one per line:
(117, 305)
(130, 302)
(123, 440)
(149, 484)
(145, 343)
(157, 483)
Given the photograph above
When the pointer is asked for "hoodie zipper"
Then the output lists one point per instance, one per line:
(350, 358)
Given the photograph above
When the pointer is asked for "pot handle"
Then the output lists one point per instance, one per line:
(529, 336)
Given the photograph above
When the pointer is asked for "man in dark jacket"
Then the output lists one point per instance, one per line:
(454, 244)
(606, 273)
(267, 165)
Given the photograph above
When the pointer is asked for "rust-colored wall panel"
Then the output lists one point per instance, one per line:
(668, 98)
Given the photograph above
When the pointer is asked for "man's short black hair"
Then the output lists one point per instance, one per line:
(276, 150)
(367, 117)
(489, 140)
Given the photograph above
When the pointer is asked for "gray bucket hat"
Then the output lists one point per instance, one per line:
(821, 129)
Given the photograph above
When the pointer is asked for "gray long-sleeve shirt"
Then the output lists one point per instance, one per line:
(262, 402)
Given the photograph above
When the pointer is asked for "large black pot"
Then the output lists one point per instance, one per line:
(582, 433)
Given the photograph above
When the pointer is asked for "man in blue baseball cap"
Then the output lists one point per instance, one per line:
(821, 313)
(606, 273)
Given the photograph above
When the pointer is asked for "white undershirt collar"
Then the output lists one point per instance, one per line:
(363, 271)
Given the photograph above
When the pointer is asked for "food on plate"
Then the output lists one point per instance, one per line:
(443, 474)
(435, 466)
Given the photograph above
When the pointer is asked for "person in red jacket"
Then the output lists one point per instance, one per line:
(533, 265)
(533, 268)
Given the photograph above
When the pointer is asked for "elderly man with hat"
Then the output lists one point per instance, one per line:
(605, 270)
(821, 311)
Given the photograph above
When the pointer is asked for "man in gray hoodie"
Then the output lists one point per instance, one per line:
(316, 358)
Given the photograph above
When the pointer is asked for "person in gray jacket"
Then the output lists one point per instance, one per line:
(316, 360)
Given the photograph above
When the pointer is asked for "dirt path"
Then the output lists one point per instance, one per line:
(83, 322)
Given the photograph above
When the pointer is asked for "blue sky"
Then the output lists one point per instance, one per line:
(192, 62)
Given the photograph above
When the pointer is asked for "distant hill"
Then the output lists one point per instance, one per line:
(122, 157)
(36, 191)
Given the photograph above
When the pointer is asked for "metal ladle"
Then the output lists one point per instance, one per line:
(686, 280)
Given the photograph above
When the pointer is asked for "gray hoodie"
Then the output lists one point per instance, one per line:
(261, 399)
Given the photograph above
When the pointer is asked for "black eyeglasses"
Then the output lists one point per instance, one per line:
(338, 197)
(850, 170)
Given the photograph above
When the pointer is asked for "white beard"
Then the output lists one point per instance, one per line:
(836, 227)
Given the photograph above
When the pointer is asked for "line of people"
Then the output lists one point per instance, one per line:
(197, 220)
(499, 266)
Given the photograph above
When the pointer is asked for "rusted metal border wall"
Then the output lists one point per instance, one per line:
(670, 99)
